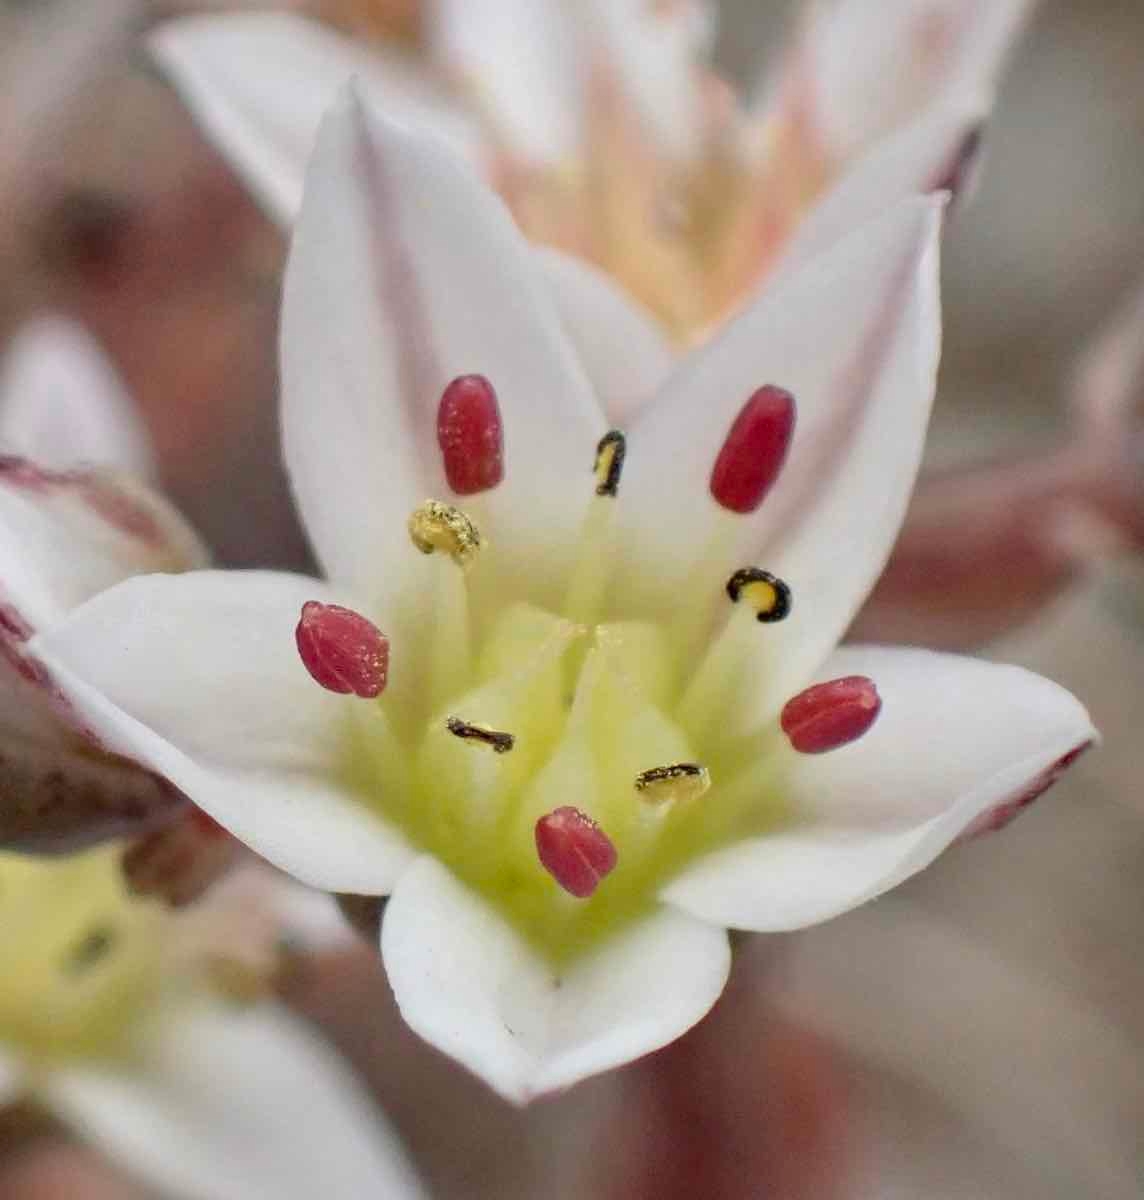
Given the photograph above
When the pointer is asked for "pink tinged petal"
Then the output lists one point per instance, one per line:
(830, 715)
(871, 77)
(1005, 814)
(657, 54)
(67, 535)
(198, 678)
(61, 788)
(849, 490)
(343, 651)
(229, 1101)
(957, 738)
(574, 850)
(44, 570)
(467, 983)
(855, 337)
(471, 435)
(405, 273)
(624, 350)
(521, 64)
(753, 453)
(62, 404)
(958, 174)
(63, 537)
(259, 84)
(935, 152)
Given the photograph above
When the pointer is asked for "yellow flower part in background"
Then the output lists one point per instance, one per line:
(79, 958)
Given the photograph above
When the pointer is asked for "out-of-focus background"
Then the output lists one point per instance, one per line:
(987, 1022)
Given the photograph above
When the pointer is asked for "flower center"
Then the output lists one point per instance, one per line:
(80, 961)
(566, 764)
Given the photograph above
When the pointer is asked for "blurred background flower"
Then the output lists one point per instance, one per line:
(156, 1038)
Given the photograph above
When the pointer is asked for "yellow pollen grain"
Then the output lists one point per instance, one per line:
(762, 597)
(677, 781)
(436, 526)
(765, 593)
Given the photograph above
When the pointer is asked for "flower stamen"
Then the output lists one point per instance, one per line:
(677, 781)
(574, 850)
(437, 526)
(588, 584)
(471, 435)
(342, 650)
(723, 676)
(754, 451)
(829, 715)
(766, 593)
(609, 465)
(499, 742)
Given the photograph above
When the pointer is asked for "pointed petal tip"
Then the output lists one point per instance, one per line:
(957, 175)
(467, 983)
(966, 755)
(995, 819)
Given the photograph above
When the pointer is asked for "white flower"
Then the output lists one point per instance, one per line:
(118, 1019)
(69, 529)
(259, 83)
(602, 125)
(608, 625)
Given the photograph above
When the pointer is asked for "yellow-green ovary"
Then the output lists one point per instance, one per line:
(590, 707)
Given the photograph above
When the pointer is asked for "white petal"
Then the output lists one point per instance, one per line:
(259, 84)
(919, 158)
(223, 1103)
(625, 352)
(530, 66)
(870, 76)
(468, 984)
(197, 677)
(956, 739)
(854, 335)
(65, 536)
(62, 404)
(656, 53)
(522, 64)
(404, 274)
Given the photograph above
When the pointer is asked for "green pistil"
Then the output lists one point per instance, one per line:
(581, 742)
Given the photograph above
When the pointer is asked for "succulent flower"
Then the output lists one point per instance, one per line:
(156, 1038)
(571, 694)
